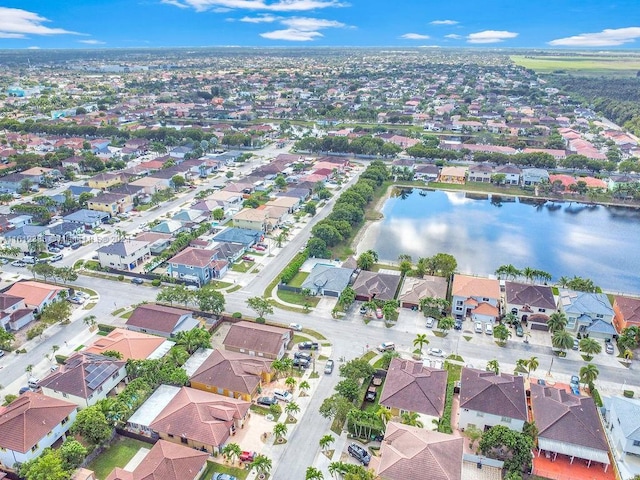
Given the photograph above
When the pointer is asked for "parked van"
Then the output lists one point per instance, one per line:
(33, 382)
(29, 259)
(57, 257)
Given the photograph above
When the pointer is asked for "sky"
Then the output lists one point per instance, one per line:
(574, 24)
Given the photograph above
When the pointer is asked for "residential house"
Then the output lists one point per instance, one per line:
(327, 280)
(302, 194)
(131, 345)
(480, 172)
(231, 251)
(31, 423)
(103, 181)
(165, 461)
(408, 452)
(149, 185)
(36, 295)
(12, 182)
(412, 387)
(626, 312)
(253, 219)
(587, 313)
(415, 289)
(290, 203)
(126, 255)
(257, 339)
(200, 420)
(232, 201)
(64, 232)
(111, 203)
(84, 378)
(172, 227)
(533, 176)
(161, 320)
(427, 172)
(40, 175)
(14, 313)
(487, 400)
(232, 374)
(375, 285)
(622, 418)
(26, 237)
(87, 218)
(190, 217)
(207, 207)
(511, 174)
(475, 297)
(568, 425)
(242, 236)
(530, 303)
(197, 265)
(455, 175)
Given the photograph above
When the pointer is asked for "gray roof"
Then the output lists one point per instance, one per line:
(540, 296)
(585, 303)
(629, 410)
(600, 326)
(123, 249)
(238, 235)
(27, 231)
(327, 277)
(86, 216)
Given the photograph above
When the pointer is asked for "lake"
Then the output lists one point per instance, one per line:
(563, 238)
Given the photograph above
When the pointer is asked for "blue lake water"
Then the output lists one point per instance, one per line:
(562, 238)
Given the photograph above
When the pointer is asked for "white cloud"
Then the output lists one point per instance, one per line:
(291, 34)
(34, 47)
(266, 5)
(16, 23)
(454, 36)
(414, 36)
(609, 37)
(264, 18)
(310, 24)
(301, 29)
(92, 42)
(490, 36)
(444, 22)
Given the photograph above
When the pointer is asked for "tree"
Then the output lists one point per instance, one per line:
(217, 214)
(210, 300)
(318, 248)
(113, 354)
(389, 309)
(433, 307)
(493, 366)
(280, 430)
(310, 208)
(502, 333)
(562, 340)
(90, 321)
(313, 473)
(446, 323)
(261, 464)
(366, 261)
(232, 451)
(348, 388)
(92, 425)
(193, 339)
(177, 355)
(292, 408)
(557, 321)
(386, 359)
(405, 267)
(326, 441)
(66, 274)
(175, 293)
(347, 297)
(55, 312)
(589, 373)
(280, 182)
(473, 433)
(412, 419)
(48, 466)
(6, 339)
(590, 347)
(335, 407)
(304, 386)
(260, 305)
(499, 439)
(384, 414)
(356, 369)
(45, 270)
(178, 181)
(532, 365)
(291, 382)
(72, 453)
(420, 341)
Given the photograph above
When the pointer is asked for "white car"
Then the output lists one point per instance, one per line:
(283, 395)
(430, 322)
(488, 329)
(295, 326)
(436, 352)
(478, 327)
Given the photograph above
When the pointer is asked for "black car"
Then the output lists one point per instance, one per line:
(267, 401)
(359, 453)
(300, 362)
(305, 355)
(458, 324)
(308, 346)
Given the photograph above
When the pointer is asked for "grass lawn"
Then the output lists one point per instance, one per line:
(299, 338)
(219, 468)
(89, 306)
(117, 455)
(378, 363)
(298, 280)
(593, 64)
(455, 371)
(368, 356)
(126, 315)
(313, 333)
(242, 266)
(297, 299)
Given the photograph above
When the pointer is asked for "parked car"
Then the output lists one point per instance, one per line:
(363, 310)
(3, 261)
(1, 353)
(295, 326)
(328, 368)
(301, 362)
(137, 281)
(305, 355)
(609, 348)
(458, 324)
(80, 293)
(248, 258)
(576, 344)
(386, 347)
(478, 327)
(23, 390)
(76, 300)
(259, 248)
(18, 263)
(488, 329)
(436, 352)
(379, 313)
(308, 346)
(54, 249)
(519, 330)
(283, 395)
(359, 453)
(575, 380)
(430, 322)
(247, 456)
(267, 401)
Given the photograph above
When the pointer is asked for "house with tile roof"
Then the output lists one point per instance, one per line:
(31, 423)
(415, 289)
(200, 420)
(412, 387)
(131, 345)
(161, 320)
(568, 425)
(530, 303)
(622, 416)
(456, 175)
(409, 453)
(84, 378)
(257, 339)
(165, 461)
(626, 312)
(487, 399)
(36, 295)
(124, 255)
(475, 297)
(587, 313)
(198, 265)
(14, 313)
(327, 280)
(232, 374)
(375, 285)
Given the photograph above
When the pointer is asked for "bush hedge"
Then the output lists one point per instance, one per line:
(236, 315)
(444, 425)
(60, 359)
(293, 268)
(106, 328)
(156, 282)
(628, 393)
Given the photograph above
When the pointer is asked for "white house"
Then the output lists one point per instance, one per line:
(126, 255)
(623, 425)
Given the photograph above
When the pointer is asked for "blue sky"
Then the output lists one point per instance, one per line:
(600, 24)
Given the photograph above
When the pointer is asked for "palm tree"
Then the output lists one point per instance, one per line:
(291, 382)
(557, 321)
(502, 333)
(304, 386)
(627, 355)
(337, 468)
(510, 318)
(589, 373)
(420, 341)
(28, 368)
(177, 356)
(261, 464)
(412, 419)
(326, 441)
(563, 281)
(590, 347)
(562, 340)
(292, 408)
(493, 366)
(374, 255)
(232, 451)
(446, 323)
(280, 430)
(90, 321)
(532, 365)
(279, 366)
(313, 474)
(384, 414)
(528, 273)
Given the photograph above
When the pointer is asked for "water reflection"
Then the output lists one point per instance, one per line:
(562, 238)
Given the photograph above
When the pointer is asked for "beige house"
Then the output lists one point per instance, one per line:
(475, 297)
(415, 289)
(453, 175)
(252, 219)
(256, 339)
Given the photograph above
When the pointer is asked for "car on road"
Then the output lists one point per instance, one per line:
(137, 281)
(328, 368)
(436, 352)
(519, 330)
(478, 327)
(267, 401)
(1, 353)
(378, 313)
(308, 346)
(283, 395)
(576, 344)
(458, 324)
(295, 326)
(222, 476)
(359, 453)
(386, 347)
(18, 263)
(609, 348)
(430, 322)
(488, 329)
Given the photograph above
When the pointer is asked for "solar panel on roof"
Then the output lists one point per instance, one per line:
(99, 374)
